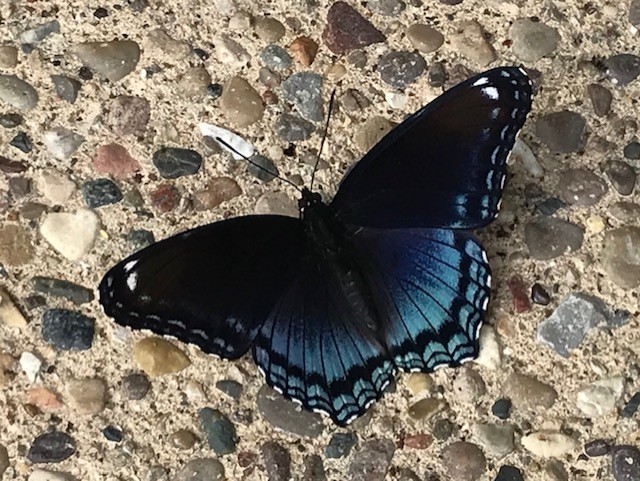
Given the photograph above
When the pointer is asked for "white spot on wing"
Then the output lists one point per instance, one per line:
(481, 81)
(491, 92)
(132, 281)
(130, 265)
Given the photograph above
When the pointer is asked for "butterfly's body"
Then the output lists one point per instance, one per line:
(385, 277)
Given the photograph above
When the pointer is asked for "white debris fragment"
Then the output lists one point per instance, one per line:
(238, 144)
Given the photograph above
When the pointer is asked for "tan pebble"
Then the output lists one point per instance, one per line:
(240, 102)
(218, 190)
(194, 391)
(548, 444)
(470, 41)
(15, 245)
(183, 439)
(8, 56)
(269, 29)
(71, 234)
(157, 357)
(10, 315)
(505, 327)
(193, 83)
(113, 60)
(240, 21)
(371, 131)
(426, 408)
(231, 52)
(304, 50)
(528, 393)
(45, 399)
(45, 475)
(276, 203)
(159, 45)
(595, 224)
(55, 186)
(337, 71)
(425, 38)
(87, 396)
(418, 382)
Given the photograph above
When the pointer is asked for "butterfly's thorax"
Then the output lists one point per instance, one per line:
(331, 240)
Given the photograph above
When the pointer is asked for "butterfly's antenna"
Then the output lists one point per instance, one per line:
(218, 139)
(324, 137)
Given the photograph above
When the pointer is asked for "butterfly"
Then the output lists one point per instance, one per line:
(385, 277)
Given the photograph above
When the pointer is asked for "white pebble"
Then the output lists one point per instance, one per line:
(548, 444)
(72, 235)
(238, 144)
(61, 142)
(522, 152)
(31, 365)
(490, 355)
(600, 397)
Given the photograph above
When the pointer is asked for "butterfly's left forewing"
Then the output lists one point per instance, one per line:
(212, 286)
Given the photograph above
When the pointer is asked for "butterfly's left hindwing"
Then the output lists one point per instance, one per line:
(212, 286)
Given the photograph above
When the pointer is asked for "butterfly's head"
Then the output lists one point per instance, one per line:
(308, 199)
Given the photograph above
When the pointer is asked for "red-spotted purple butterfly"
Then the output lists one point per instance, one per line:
(385, 277)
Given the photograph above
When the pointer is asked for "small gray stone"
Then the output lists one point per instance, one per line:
(625, 463)
(597, 447)
(621, 175)
(4, 460)
(548, 237)
(286, 415)
(52, 447)
(371, 131)
(292, 128)
(469, 386)
(509, 473)
(61, 288)
(113, 60)
(17, 93)
(464, 461)
(128, 115)
(568, 325)
(66, 88)
(621, 256)
(277, 461)
(372, 461)
(401, 68)
(354, 101)
(425, 38)
(101, 192)
(556, 471)
(274, 56)
(68, 330)
(269, 29)
(201, 469)
(314, 469)
(527, 393)
(37, 34)
(632, 150)
(340, 445)
(62, 142)
(562, 131)
(220, 431)
(533, 40)
(136, 386)
(262, 168)
(140, 238)
(230, 387)
(634, 13)
(304, 91)
(240, 102)
(626, 212)
(496, 439)
(601, 98)
(390, 8)
(471, 41)
(581, 187)
(623, 68)
(174, 162)
(436, 75)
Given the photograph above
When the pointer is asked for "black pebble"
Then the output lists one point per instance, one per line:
(201, 53)
(625, 464)
(101, 192)
(501, 408)
(101, 12)
(550, 206)
(9, 121)
(539, 295)
(68, 330)
(174, 162)
(442, 429)
(631, 407)
(632, 150)
(214, 90)
(85, 73)
(136, 386)
(262, 168)
(509, 473)
(597, 447)
(51, 448)
(340, 445)
(112, 434)
(23, 142)
(61, 288)
(230, 388)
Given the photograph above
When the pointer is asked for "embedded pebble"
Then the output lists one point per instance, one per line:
(88, 395)
(533, 40)
(539, 295)
(277, 203)
(372, 460)
(490, 355)
(549, 237)
(556, 471)
(37, 34)
(241, 104)
(401, 68)
(501, 408)
(418, 382)
(10, 315)
(621, 175)
(286, 415)
(71, 234)
(16, 248)
(580, 187)
(527, 393)
(157, 356)
(314, 469)
(340, 445)
(159, 44)
(517, 288)
(52, 447)
(262, 168)
(128, 115)
(631, 407)
(497, 440)
(231, 52)
(304, 91)
(348, 30)
(464, 461)
(62, 142)
(193, 83)
(600, 397)
(625, 463)
(303, 50)
(277, 461)
(111, 433)
(565, 329)
(8, 56)
(201, 469)
(292, 128)
(634, 14)
(632, 150)
(174, 162)
(66, 88)
(219, 431)
(22, 142)
(371, 131)
(521, 152)
(626, 212)
(601, 98)
(183, 439)
(165, 198)
(426, 408)
(547, 444)
(620, 259)
(17, 92)
(136, 386)
(597, 447)
(230, 388)
(101, 192)
(216, 191)
(113, 60)
(562, 132)
(274, 56)
(269, 29)
(55, 186)
(509, 473)
(424, 37)
(10, 120)
(390, 8)
(468, 386)
(67, 330)
(31, 365)
(114, 159)
(623, 68)
(45, 475)
(354, 101)
(469, 39)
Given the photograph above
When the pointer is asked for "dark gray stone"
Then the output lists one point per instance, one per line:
(501, 408)
(340, 445)
(10, 120)
(436, 75)
(632, 150)
(231, 388)
(22, 142)
(174, 162)
(140, 238)
(314, 469)
(274, 56)
(601, 98)
(68, 330)
(292, 128)
(548, 237)
(372, 461)
(101, 192)
(304, 91)
(621, 175)
(37, 34)
(51, 447)
(464, 461)
(67, 88)
(201, 469)
(219, 430)
(262, 168)
(623, 68)
(597, 447)
(61, 288)
(391, 8)
(630, 409)
(625, 463)
(562, 132)
(277, 461)
(509, 473)
(581, 187)
(136, 386)
(286, 415)
(634, 13)
(401, 68)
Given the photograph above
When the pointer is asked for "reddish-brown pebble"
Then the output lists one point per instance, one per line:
(418, 441)
(113, 159)
(219, 190)
(303, 50)
(348, 30)
(165, 198)
(45, 399)
(521, 302)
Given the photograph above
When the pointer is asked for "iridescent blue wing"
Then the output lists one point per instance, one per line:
(445, 165)
(316, 349)
(432, 287)
(212, 286)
